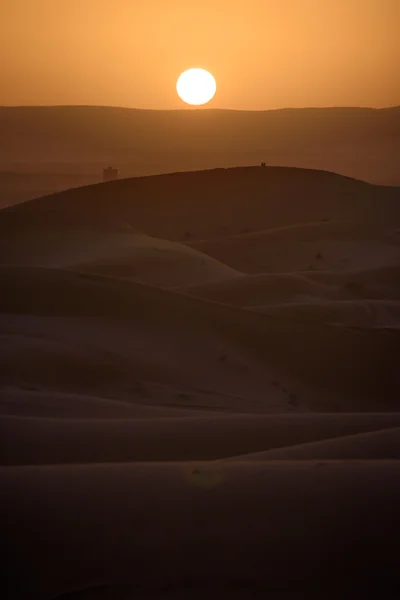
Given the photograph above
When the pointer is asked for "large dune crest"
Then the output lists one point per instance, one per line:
(212, 203)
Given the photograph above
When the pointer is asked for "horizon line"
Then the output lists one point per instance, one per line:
(198, 109)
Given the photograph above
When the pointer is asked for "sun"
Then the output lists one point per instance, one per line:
(196, 87)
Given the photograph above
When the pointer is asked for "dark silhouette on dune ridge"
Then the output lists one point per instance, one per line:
(199, 387)
(356, 142)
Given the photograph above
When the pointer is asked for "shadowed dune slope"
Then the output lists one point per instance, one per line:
(382, 283)
(311, 221)
(367, 313)
(253, 290)
(110, 329)
(54, 441)
(373, 445)
(55, 404)
(204, 530)
(210, 203)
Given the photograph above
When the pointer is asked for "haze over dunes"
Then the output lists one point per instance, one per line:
(45, 149)
(199, 386)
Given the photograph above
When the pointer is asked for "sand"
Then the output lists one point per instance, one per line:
(54, 441)
(373, 445)
(123, 254)
(204, 529)
(344, 245)
(189, 410)
(211, 204)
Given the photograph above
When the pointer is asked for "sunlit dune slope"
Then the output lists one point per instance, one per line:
(324, 245)
(125, 254)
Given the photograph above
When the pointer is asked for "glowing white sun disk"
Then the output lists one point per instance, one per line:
(196, 87)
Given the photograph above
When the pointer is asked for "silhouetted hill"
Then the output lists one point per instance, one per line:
(357, 142)
(213, 203)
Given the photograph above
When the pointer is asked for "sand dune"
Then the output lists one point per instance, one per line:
(381, 444)
(202, 529)
(54, 404)
(361, 313)
(106, 334)
(253, 290)
(323, 245)
(382, 282)
(84, 334)
(98, 336)
(69, 356)
(156, 262)
(210, 203)
(54, 441)
(310, 221)
(270, 288)
(177, 423)
(124, 254)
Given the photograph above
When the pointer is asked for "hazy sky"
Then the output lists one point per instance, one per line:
(263, 53)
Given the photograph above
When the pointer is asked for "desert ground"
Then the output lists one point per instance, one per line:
(199, 388)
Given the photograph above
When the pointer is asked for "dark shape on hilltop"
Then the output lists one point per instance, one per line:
(110, 174)
(263, 164)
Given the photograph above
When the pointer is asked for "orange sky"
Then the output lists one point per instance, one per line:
(263, 53)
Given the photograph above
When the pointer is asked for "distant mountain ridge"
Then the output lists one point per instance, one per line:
(358, 142)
